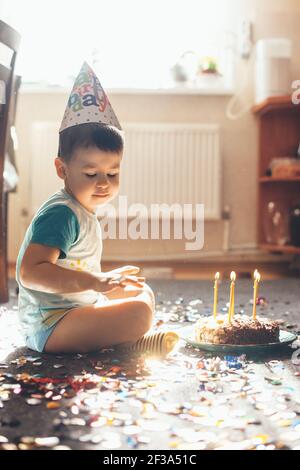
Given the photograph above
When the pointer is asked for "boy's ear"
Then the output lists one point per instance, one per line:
(60, 168)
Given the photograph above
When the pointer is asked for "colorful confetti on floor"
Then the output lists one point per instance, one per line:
(189, 400)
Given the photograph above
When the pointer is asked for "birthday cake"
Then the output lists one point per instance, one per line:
(241, 330)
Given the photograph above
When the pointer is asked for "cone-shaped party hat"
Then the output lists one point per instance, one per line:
(88, 102)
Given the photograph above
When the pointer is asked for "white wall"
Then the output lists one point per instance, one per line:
(272, 18)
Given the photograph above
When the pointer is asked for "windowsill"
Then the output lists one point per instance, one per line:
(172, 90)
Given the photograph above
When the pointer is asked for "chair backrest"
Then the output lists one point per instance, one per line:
(11, 40)
(11, 142)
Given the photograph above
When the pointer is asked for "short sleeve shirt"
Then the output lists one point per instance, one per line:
(61, 222)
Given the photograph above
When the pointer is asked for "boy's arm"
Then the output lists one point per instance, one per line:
(38, 271)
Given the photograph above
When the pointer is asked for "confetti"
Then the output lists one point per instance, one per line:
(33, 401)
(46, 441)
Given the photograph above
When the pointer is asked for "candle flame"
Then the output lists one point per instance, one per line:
(257, 276)
(233, 276)
(217, 276)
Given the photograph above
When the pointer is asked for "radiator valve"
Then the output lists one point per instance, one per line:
(226, 216)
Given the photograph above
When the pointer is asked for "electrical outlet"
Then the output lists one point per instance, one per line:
(245, 38)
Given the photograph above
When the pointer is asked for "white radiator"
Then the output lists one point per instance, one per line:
(163, 163)
(173, 163)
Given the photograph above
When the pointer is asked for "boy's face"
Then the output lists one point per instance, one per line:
(91, 176)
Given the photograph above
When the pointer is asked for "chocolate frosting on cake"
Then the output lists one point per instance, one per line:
(242, 330)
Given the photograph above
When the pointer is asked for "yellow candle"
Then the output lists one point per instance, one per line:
(232, 305)
(231, 299)
(216, 286)
(255, 292)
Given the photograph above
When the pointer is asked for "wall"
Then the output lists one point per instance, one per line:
(279, 18)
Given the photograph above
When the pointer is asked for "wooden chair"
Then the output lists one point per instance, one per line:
(11, 40)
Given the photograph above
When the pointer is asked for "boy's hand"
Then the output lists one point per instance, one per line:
(125, 270)
(124, 292)
(126, 275)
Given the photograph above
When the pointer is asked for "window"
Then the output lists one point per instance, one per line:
(129, 43)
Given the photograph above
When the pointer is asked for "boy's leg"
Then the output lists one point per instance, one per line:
(91, 328)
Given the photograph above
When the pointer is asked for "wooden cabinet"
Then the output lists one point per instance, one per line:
(279, 137)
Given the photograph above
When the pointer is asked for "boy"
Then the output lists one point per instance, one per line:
(66, 304)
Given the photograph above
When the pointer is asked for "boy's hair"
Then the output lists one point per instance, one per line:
(104, 137)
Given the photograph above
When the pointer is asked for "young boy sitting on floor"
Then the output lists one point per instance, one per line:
(66, 304)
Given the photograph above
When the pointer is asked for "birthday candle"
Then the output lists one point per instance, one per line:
(216, 286)
(232, 304)
(231, 299)
(255, 292)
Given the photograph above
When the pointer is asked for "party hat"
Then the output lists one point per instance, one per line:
(88, 102)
